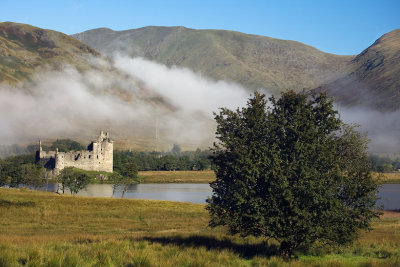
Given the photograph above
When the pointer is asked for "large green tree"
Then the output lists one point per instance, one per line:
(291, 170)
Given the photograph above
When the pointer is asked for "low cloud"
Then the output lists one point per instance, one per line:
(187, 90)
(70, 104)
(143, 97)
(382, 128)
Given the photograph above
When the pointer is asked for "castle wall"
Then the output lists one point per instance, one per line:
(86, 160)
(47, 154)
(99, 157)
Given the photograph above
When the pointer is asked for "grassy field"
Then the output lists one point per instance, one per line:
(45, 229)
(177, 176)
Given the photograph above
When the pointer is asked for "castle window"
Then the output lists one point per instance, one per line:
(89, 156)
(97, 156)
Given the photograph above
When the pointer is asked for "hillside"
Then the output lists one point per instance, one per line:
(251, 60)
(373, 77)
(24, 49)
(54, 86)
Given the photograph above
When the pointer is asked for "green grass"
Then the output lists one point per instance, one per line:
(45, 229)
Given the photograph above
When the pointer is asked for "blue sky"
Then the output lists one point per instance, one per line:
(339, 27)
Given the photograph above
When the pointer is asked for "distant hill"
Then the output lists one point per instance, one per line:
(251, 60)
(24, 49)
(373, 77)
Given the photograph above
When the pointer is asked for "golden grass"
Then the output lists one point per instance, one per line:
(388, 178)
(54, 214)
(177, 176)
(45, 229)
(209, 176)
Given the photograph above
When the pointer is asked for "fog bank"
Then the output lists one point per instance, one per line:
(146, 98)
(144, 105)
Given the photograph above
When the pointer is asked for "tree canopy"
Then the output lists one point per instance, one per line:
(126, 176)
(21, 170)
(163, 161)
(74, 179)
(65, 145)
(289, 169)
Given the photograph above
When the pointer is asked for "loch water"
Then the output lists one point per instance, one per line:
(389, 194)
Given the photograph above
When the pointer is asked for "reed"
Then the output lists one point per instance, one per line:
(177, 176)
(388, 178)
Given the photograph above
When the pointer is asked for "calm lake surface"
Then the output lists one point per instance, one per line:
(195, 193)
(198, 193)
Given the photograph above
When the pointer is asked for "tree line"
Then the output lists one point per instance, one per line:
(21, 169)
(384, 163)
(164, 161)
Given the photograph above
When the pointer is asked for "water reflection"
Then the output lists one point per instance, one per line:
(389, 194)
(195, 193)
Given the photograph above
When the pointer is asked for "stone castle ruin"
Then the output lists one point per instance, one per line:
(98, 157)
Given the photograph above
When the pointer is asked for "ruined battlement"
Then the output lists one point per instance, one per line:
(98, 157)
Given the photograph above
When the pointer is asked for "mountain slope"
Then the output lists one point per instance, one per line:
(26, 51)
(251, 60)
(24, 48)
(373, 77)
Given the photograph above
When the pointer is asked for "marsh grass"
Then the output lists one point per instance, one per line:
(177, 176)
(388, 178)
(82, 231)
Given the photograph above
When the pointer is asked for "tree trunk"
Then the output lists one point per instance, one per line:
(47, 181)
(286, 250)
(124, 190)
